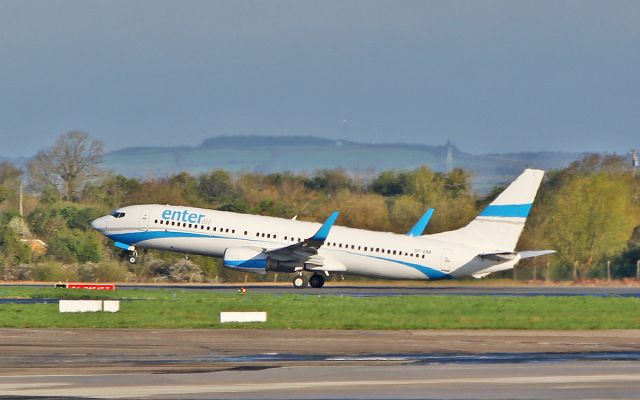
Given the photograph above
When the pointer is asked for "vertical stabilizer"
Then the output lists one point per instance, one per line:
(500, 224)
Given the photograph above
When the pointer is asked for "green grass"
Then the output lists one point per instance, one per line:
(200, 309)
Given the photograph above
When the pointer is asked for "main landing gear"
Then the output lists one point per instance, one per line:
(316, 281)
(300, 282)
(133, 257)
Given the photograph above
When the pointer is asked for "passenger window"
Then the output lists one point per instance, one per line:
(394, 252)
(208, 228)
(245, 233)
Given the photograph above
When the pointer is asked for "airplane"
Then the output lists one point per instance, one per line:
(312, 251)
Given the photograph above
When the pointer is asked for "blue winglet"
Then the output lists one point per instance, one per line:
(422, 223)
(323, 232)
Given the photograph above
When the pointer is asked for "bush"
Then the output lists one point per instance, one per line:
(75, 245)
(12, 249)
(185, 271)
(87, 272)
(53, 272)
(110, 271)
(21, 272)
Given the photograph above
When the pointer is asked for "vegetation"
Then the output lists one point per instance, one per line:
(200, 309)
(589, 212)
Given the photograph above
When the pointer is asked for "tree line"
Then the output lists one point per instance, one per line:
(589, 212)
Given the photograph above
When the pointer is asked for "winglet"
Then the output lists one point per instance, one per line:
(323, 232)
(421, 225)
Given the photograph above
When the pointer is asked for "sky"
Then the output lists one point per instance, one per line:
(491, 76)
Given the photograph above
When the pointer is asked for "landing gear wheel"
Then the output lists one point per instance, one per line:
(133, 258)
(300, 282)
(316, 281)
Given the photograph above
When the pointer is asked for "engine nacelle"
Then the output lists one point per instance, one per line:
(282, 266)
(245, 259)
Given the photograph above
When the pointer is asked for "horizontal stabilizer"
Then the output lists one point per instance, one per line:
(499, 257)
(535, 253)
(508, 256)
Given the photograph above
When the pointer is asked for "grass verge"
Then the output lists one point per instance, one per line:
(200, 309)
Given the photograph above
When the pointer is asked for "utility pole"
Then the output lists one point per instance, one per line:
(20, 200)
(535, 271)
(634, 161)
(547, 274)
(608, 270)
(449, 166)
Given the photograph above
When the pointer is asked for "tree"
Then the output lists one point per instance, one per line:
(591, 218)
(67, 166)
(9, 175)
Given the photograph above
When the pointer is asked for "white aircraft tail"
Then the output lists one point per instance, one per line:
(500, 224)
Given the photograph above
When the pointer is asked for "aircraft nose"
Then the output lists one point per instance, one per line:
(99, 224)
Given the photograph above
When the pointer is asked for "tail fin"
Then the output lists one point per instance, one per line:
(500, 224)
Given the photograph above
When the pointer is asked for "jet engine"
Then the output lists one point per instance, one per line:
(246, 259)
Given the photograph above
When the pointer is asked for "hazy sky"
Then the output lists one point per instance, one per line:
(489, 75)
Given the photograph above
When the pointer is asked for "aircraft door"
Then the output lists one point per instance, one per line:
(144, 220)
(446, 260)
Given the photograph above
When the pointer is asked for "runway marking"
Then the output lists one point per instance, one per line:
(138, 391)
(18, 385)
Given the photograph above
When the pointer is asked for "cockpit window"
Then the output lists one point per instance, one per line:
(117, 214)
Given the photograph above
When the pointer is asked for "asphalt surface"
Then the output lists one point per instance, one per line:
(577, 380)
(314, 364)
(391, 290)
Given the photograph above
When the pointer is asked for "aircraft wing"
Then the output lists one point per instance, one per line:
(307, 251)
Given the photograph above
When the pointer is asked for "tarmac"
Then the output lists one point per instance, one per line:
(416, 289)
(313, 364)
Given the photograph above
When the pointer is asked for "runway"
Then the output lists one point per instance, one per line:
(194, 364)
(409, 290)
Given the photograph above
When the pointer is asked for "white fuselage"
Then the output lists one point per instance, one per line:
(361, 252)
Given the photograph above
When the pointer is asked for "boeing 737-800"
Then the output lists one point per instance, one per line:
(263, 244)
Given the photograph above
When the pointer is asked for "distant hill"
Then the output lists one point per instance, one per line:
(305, 154)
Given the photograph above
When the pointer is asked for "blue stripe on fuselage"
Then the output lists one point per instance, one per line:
(132, 238)
(430, 273)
